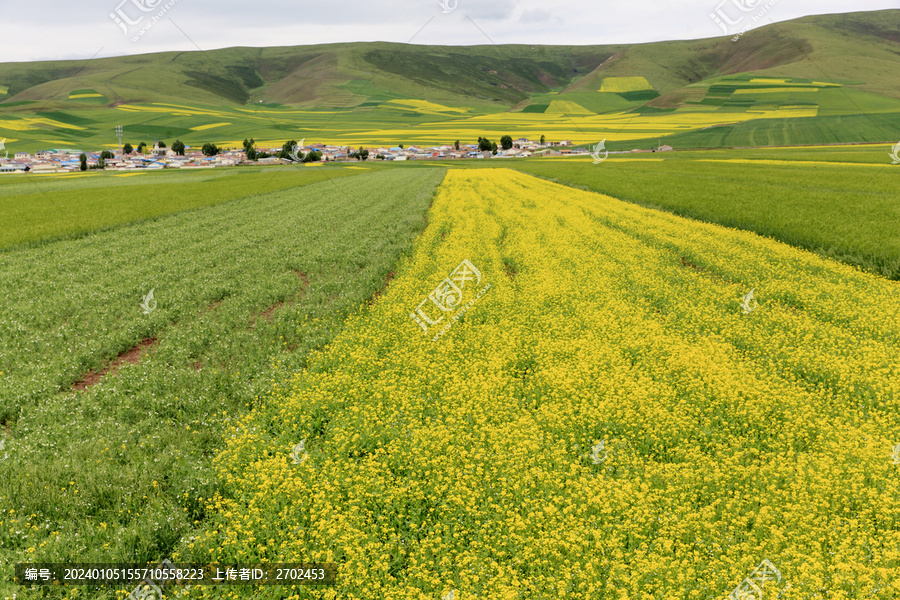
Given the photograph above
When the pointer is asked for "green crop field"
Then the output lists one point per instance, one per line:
(244, 290)
(31, 210)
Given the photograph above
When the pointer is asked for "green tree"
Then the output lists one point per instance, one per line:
(312, 156)
(127, 148)
(178, 147)
(287, 150)
(161, 144)
(506, 142)
(485, 144)
(456, 145)
(141, 146)
(107, 154)
(493, 148)
(362, 154)
(249, 149)
(83, 159)
(542, 139)
(101, 162)
(210, 149)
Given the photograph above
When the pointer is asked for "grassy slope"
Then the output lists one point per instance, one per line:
(309, 74)
(819, 48)
(831, 129)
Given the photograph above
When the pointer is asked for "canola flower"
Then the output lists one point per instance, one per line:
(460, 464)
(568, 120)
(625, 84)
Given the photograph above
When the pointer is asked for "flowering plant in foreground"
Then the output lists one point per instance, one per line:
(461, 465)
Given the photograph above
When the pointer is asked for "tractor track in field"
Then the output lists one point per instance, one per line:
(131, 357)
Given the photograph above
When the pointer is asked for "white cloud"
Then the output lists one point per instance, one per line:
(64, 29)
(537, 15)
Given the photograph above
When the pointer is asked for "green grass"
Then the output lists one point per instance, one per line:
(845, 212)
(120, 473)
(849, 101)
(31, 210)
(856, 128)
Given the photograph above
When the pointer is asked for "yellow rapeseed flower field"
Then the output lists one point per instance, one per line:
(625, 84)
(569, 121)
(474, 463)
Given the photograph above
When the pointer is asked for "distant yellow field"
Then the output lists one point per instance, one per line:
(580, 129)
(76, 96)
(173, 109)
(424, 107)
(24, 124)
(766, 161)
(210, 126)
(566, 107)
(767, 90)
(785, 81)
(625, 84)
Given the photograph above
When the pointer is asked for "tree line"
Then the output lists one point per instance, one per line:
(289, 151)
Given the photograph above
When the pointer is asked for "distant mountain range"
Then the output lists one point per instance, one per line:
(856, 52)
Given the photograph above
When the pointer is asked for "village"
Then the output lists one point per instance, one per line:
(161, 157)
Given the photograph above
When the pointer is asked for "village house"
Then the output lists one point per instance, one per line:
(13, 167)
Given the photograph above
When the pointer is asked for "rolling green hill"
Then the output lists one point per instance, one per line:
(773, 84)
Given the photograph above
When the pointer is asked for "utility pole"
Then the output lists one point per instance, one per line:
(119, 135)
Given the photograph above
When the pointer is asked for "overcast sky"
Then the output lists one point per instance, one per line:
(59, 29)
